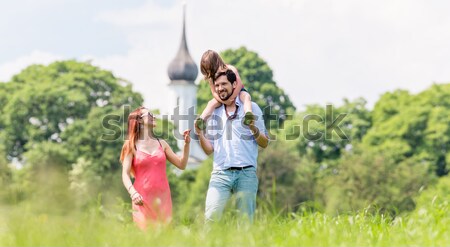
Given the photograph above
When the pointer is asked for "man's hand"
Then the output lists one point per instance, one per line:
(260, 138)
(254, 129)
(200, 125)
(249, 119)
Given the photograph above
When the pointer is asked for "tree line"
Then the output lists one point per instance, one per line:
(53, 120)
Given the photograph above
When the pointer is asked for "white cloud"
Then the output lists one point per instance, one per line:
(147, 14)
(7, 70)
(320, 51)
(144, 69)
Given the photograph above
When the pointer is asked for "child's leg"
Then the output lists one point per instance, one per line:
(247, 100)
(208, 111)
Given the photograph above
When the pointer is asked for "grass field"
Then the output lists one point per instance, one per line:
(428, 225)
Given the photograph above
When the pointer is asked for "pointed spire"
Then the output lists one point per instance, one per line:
(183, 66)
(183, 35)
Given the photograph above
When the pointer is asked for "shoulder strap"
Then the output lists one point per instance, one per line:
(158, 141)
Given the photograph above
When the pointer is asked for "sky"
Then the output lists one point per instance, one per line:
(321, 51)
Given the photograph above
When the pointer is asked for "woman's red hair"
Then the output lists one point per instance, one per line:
(129, 147)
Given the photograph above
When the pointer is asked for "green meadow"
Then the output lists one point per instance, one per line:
(101, 225)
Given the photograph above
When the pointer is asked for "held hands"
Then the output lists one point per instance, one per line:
(187, 137)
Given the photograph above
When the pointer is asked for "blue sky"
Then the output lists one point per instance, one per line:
(320, 50)
(64, 27)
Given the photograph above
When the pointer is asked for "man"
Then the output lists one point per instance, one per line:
(235, 148)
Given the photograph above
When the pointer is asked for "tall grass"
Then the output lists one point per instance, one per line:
(22, 225)
(53, 216)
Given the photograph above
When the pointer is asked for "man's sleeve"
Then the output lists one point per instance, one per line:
(212, 142)
(259, 123)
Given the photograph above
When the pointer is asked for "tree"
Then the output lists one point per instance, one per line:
(390, 104)
(45, 100)
(53, 115)
(257, 78)
(416, 126)
(5, 171)
(365, 178)
(278, 184)
(46, 168)
(323, 132)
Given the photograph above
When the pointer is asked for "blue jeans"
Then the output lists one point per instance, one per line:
(244, 183)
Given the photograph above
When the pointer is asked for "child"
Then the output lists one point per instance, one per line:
(210, 65)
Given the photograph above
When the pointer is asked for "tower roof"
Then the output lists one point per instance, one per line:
(183, 66)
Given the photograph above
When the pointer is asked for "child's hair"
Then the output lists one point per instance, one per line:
(211, 62)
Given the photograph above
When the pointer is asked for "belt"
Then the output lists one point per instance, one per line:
(237, 168)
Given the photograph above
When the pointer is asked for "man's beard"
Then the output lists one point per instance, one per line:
(228, 96)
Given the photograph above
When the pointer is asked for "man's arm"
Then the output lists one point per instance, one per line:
(204, 143)
(260, 138)
(258, 128)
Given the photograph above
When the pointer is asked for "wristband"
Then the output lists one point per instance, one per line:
(133, 194)
(256, 132)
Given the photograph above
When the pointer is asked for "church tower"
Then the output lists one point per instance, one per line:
(182, 101)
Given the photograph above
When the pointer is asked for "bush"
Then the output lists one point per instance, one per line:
(366, 178)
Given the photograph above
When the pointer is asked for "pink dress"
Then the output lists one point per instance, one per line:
(151, 182)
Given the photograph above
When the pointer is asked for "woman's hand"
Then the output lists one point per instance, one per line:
(187, 137)
(137, 199)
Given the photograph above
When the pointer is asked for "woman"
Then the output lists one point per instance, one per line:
(144, 155)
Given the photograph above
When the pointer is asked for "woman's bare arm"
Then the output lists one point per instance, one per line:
(126, 179)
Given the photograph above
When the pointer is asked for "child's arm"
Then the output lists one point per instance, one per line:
(239, 84)
(213, 91)
(243, 96)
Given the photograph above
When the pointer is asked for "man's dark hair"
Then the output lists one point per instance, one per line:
(231, 76)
